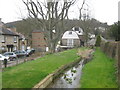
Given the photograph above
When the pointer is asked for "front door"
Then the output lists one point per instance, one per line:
(10, 48)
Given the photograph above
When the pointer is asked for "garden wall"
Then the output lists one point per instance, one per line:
(112, 49)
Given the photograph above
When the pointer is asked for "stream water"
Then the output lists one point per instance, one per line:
(70, 78)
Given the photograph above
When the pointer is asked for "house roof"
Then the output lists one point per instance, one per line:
(78, 30)
(70, 35)
(7, 32)
(92, 42)
(34, 31)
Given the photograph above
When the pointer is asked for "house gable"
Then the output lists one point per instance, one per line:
(70, 35)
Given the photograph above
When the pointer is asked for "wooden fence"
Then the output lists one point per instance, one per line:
(112, 49)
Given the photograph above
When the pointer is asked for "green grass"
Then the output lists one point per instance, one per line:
(99, 73)
(30, 73)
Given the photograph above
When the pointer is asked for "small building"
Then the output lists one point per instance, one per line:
(70, 39)
(91, 36)
(38, 40)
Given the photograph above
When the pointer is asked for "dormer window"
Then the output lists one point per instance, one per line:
(70, 32)
(76, 29)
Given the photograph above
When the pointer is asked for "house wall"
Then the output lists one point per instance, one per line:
(82, 37)
(22, 43)
(76, 42)
(9, 40)
(38, 41)
(1, 36)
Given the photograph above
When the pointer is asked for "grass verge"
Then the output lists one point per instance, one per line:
(30, 73)
(99, 73)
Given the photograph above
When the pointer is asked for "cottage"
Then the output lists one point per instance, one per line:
(70, 39)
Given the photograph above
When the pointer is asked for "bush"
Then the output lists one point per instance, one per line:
(98, 41)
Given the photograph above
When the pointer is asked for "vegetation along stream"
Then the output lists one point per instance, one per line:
(71, 77)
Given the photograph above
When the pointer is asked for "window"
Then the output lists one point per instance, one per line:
(3, 39)
(76, 29)
(70, 42)
(15, 39)
(70, 32)
(3, 47)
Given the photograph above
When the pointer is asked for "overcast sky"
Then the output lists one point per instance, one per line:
(119, 11)
(102, 10)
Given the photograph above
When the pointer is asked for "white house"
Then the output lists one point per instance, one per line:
(70, 39)
(78, 30)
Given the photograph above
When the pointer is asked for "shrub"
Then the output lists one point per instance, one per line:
(98, 41)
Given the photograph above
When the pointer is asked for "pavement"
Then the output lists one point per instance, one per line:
(19, 61)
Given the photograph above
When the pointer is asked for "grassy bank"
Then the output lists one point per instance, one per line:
(99, 73)
(30, 73)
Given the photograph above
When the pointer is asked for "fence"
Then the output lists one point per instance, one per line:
(23, 59)
(112, 49)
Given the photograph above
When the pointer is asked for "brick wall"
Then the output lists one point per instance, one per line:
(38, 41)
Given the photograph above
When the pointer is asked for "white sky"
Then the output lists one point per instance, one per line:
(119, 11)
(102, 10)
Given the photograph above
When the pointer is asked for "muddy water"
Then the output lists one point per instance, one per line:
(70, 78)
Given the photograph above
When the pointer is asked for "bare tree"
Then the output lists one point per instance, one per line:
(85, 21)
(80, 10)
(50, 14)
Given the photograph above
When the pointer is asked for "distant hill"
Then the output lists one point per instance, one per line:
(27, 26)
(24, 27)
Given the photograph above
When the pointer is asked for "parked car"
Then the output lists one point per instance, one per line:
(21, 53)
(11, 55)
(2, 58)
(30, 51)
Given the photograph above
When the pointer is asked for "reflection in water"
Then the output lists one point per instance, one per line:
(70, 79)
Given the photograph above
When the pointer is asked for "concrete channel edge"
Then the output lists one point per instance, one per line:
(48, 79)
